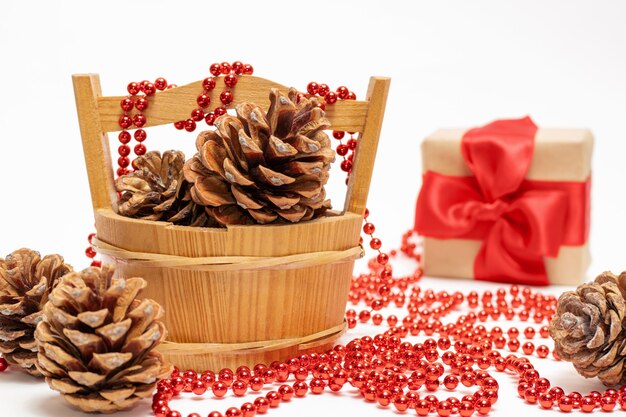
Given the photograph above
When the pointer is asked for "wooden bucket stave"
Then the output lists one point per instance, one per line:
(243, 294)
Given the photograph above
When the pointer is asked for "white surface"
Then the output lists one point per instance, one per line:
(453, 63)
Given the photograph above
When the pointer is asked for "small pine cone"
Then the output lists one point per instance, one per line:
(96, 342)
(263, 167)
(588, 328)
(157, 190)
(25, 282)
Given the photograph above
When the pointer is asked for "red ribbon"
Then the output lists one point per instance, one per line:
(519, 221)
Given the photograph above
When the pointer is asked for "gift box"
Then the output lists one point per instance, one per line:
(506, 202)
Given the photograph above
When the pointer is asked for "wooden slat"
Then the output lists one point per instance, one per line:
(95, 142)
(177, 103)
(365, 154)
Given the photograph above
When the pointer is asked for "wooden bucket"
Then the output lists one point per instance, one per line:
(244, 294)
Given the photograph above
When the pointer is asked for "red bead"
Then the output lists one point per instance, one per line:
(466, 409)
(190, 125)
(338, 134)
(126, 104)
(210, 118)
(140, 149)
(174, 413)
(141, 103)
(256, 383)
(248, 410)
(161, 411)
(274, 398)
(422, 408)
(607, 403)
(90, 252)
(230, 80)
(208, 83)
(587, 404)
(248, 69)
(351, 96)
(323, 89)
(219, 111)
(123, 150)
(342, 150)
(215, 414)
(219, 389)
(375, 243)
(225, 67)
(312, 88)
(123, 161)
(546, 401)
(528, 348)
(529, 333)
(197, 387)
(444, 408)
(450, 382)
(197, 115)
(343, 92)
(330, 97)
(483, 407)
(369, 228)
(542, 351)
(317, 385)
(180, 125)
(262, 405)
(233, 412)
(124, 137)
(226, 97)
(346, 165)
(513, 345)
(140, 135)
(133, 88)
(160, 84)
(237, 67)
(300, 388)
(203, 100)
(149, 89)
(566, 404)
(286, 392)
(215, 69)
(121, 171)
(125, 122)
(139, 120)
(239, 388)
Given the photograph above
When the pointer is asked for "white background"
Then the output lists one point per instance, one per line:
(452, 63)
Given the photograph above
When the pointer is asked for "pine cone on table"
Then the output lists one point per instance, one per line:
(263, 167)
(157, 190)
(25, 282)
(96, 342)
(589, 328)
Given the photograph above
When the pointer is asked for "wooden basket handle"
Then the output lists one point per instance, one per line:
(95, 141)
(365, 153)
(98, 157)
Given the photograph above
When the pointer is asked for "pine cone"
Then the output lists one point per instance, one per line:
(589, 329)
(157, 190)
(96, 342)
(264, 167)
(25, 282)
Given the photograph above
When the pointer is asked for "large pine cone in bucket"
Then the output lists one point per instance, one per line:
(263, 167)
(589, 329)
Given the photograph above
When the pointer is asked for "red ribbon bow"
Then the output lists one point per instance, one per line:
(519, 221)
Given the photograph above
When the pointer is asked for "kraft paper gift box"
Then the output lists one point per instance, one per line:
(506, 202)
